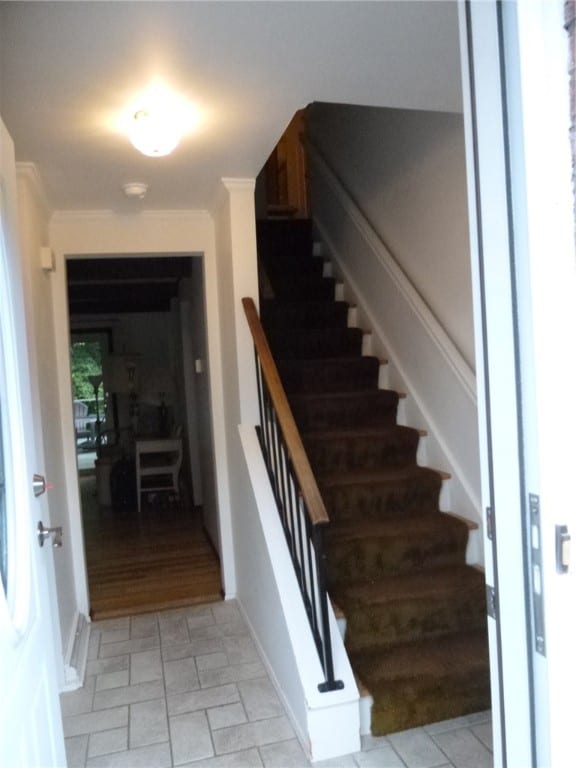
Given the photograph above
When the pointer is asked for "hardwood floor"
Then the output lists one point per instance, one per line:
(163, 561)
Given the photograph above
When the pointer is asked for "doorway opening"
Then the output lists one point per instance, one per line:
(133, 322)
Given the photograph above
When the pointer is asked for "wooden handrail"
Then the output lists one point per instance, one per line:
(294, 446)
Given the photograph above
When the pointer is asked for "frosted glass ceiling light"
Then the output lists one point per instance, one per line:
(157, 119)
(155, 132)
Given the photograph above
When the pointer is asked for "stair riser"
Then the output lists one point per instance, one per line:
(299, 289)
(345, 454)
(329, 375)
(307, 274)
(319, 314)
(412, 619)
(352, 561)
(427, 701)
(277, 236)
(316, 344)
(327, 413)
(380, 500)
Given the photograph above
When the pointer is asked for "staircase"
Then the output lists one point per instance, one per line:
(415, 612)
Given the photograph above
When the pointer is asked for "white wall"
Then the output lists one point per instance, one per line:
(237, 277)
(406, 171)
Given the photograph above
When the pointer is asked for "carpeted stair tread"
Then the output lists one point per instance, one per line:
(424, 657)
(418, 525)
(341, 410)
(324, 375)
(364, 432)
(401, 608)
(405, 491)
(425, 681)
(303, 314)
(369, 448)
(373, 549)
(426, 583)
(315, 343)
(386, 475)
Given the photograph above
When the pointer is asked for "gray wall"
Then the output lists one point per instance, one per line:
(405, 169)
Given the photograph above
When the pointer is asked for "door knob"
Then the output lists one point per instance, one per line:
(45, 533)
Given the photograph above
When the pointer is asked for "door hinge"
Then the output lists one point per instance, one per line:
(491, 602)
(536, 573)
(490, 523)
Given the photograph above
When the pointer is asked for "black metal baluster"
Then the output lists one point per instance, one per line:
(304, 539)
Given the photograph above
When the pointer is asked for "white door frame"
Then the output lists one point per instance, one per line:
(516, 100)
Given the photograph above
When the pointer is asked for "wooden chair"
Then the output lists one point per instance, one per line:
(83, 423)
(158, 465)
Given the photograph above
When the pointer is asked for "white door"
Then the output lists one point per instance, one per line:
(517, 113)
(30, 720)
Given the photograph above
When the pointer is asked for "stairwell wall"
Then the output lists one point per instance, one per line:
(388, 196)
(406, 171)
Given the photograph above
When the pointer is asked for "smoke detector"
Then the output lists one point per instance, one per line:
(135, 189)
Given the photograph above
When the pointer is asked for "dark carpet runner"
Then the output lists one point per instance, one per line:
(415, 612)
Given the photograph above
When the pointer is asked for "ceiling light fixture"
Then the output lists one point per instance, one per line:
(154, 134)
(158, 119)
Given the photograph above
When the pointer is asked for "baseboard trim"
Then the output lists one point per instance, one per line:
(76, 656)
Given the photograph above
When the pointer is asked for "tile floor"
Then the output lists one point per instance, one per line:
(187, 688)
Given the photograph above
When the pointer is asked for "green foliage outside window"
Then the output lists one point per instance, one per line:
(86, 360)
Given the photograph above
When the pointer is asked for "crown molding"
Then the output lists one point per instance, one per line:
(231, 183)
(228, 185)
(145, 215)
(30, 174)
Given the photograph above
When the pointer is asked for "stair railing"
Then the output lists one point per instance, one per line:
(298, 499)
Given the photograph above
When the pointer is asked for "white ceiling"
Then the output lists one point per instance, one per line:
(68, 68)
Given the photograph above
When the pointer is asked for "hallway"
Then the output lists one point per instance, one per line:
(187, 688)
(135, 566)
